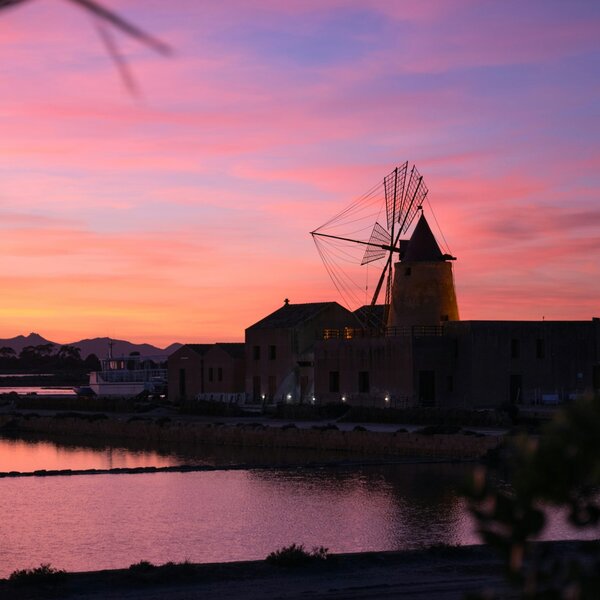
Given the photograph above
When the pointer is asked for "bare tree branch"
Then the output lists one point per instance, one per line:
(120, 23)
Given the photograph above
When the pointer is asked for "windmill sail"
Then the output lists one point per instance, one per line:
(379, 239)
(340, 240)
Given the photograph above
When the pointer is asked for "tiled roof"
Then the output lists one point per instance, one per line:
(292, 315)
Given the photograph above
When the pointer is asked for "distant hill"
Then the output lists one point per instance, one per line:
(97, 346)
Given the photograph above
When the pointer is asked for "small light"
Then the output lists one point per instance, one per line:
(289, 396)
(343, 398)
(314, 399)
(387, 399)
(263, 396)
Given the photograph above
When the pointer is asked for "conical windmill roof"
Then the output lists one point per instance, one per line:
(422, 246)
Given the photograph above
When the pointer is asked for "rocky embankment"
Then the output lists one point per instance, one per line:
(360, 442)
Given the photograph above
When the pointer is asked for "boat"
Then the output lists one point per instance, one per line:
(129, 376)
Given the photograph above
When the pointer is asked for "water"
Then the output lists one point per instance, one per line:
(23, 390)
(92, 522)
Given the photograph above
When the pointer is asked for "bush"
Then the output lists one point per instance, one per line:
(146, 572)
(559, 470)
(144, 566)
(45, 574)
(296, 556)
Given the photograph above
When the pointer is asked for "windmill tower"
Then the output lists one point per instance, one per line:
(419, 288)
(423, 291)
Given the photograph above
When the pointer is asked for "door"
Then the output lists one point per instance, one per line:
(427, 388)
(516, 388)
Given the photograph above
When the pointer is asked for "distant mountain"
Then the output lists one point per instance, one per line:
(19, 342)
(100, 346)
(97, 346)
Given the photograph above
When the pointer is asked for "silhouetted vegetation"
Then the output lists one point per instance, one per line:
(146, 572)
(64, 362)
(44, 575)
(297, 556)
(559, 468)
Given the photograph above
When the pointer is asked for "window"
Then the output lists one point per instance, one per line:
(272, 352)
(220, 374)
(211, 374)
(515, 348)
(182, 383)
(256, 352)
(540, 348)
(256, 387)
(363, 382)
(334, 381)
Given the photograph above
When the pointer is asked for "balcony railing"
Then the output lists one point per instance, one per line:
(349, 333)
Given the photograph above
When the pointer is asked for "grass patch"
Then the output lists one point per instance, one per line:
(297, 556)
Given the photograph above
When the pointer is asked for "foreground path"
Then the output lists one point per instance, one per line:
(445, 573)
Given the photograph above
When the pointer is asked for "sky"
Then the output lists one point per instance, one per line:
(183, 214)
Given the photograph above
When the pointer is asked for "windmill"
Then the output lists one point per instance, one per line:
(401, 194)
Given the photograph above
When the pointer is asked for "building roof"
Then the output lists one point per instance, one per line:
(199, 348)
(234, 349)
(422, 246)
(371, 315)
(292, 315)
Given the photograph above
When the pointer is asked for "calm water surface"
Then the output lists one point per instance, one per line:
(106, 521)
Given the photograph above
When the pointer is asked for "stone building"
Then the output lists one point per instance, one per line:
(280, 350)
(207, 372)
(425, 356)
(466, 364)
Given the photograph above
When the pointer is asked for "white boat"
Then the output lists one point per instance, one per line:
(128, 376)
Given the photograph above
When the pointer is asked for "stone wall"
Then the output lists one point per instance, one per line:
(363, 443)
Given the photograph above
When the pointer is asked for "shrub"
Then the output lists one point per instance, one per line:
(146, 572)
(45, 574)
(142, 567)
(296, 556)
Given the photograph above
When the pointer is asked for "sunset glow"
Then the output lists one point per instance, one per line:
(184, 215)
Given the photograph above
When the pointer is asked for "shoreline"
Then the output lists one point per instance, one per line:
(444, 572)
(341, 464)
(192, 433)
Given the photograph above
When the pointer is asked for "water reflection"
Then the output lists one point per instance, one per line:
(33, 452)
(109, 521)
(105, 521)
